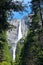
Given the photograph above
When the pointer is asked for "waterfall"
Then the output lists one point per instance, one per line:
(14, 50)
(19, 32)
(11, 37)
(19, 37)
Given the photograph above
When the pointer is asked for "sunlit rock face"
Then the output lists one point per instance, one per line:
(25, 25)
(19, 30)
(12, 36)
(13, 32)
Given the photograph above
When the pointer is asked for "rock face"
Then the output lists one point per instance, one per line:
(12, 36)
(13, 33)
(16, 33)
(25, 25)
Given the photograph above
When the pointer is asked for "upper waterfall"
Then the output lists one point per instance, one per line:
(19, 32)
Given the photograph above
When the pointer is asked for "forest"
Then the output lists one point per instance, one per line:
(30, 51)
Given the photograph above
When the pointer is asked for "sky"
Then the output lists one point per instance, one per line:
(17, 15)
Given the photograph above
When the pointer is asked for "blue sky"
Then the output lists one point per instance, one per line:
(20, 16)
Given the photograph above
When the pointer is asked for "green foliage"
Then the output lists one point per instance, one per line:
(26, 53)
(4, 48)
(32, 51)
(18, 52)
(7, 55)
(5, 63)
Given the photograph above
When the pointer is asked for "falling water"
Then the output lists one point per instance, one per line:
(12, 40)
(14, 49)
(19, 33)
(19, 37)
